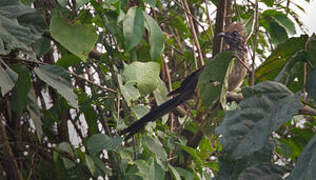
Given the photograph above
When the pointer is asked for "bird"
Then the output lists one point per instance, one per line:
(234, 36)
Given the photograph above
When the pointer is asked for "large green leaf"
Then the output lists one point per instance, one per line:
(133, 27)
(264, 109)
(293, 69)
(145, 75)
(273, 64)
(129, 92)
(20, 26)
(152, 3)
(66, 147)
(35, 113)
(59, 79)
(211, 82)
(89, 113)
(21, 89)
(98, 142)
(262, 171)
(268, 2)
(156, 147)
(7, 78)
(90, 164)
(311, 86)
(306, 164)
(281, 19)
(156, 37)
(77, 38)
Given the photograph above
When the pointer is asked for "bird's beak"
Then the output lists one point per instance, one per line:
(221, 34)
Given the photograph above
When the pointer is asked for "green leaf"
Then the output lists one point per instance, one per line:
(277, 33)
(90, 164)
(77, 38)
(264, 109)
(273, 64)
(68, 60)
(7, 78)
(290, 70)
(211, 81)
(66, 147)
(145, 75)
(155, 37)
(143, 169)
(152, 3)
(89, 113)
(187, 175)
(306, 164)
(35, 113)
(133, 27)
(59, 79)
(21, 89)
(268, 2)
(20, 26)
(311, 86)
(98, 142)
(156, 147)
(311, 49)
(140, 110)
(174, 172)
(129, 92)
(262, 171)
(160, 94)
(281, 19)
(41, 46)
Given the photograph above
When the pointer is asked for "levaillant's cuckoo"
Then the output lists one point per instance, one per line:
(234, 36)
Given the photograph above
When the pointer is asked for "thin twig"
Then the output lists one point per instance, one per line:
(193, 30)
(252, 77)
(193, 17)
(208, 18)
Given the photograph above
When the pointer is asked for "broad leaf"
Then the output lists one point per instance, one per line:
(211, 82)
(152, 3)
(35, 113)
(263, 110)
(281, 19)
(7, 78)
(77, 38)
(273, 64)
(133, 27)
(59, 79)
(98, 142)
(21, 89)
(145, 75)
(293, 69)
(20, 26)
(156, 147)
(90, 164)
(262, 171)
(174, 172)
(306, 164)
(129, 92)
(311, 86)
(268, 2)
(156, 38)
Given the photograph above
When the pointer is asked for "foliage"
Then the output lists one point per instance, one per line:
(75, 73)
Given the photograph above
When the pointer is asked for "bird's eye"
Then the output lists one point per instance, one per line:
(235, 34)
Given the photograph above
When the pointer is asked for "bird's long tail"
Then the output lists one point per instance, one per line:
(161, 110)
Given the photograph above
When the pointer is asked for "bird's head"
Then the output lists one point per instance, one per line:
(234, 36)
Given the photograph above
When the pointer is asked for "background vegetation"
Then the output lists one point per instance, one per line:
(74, 73)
